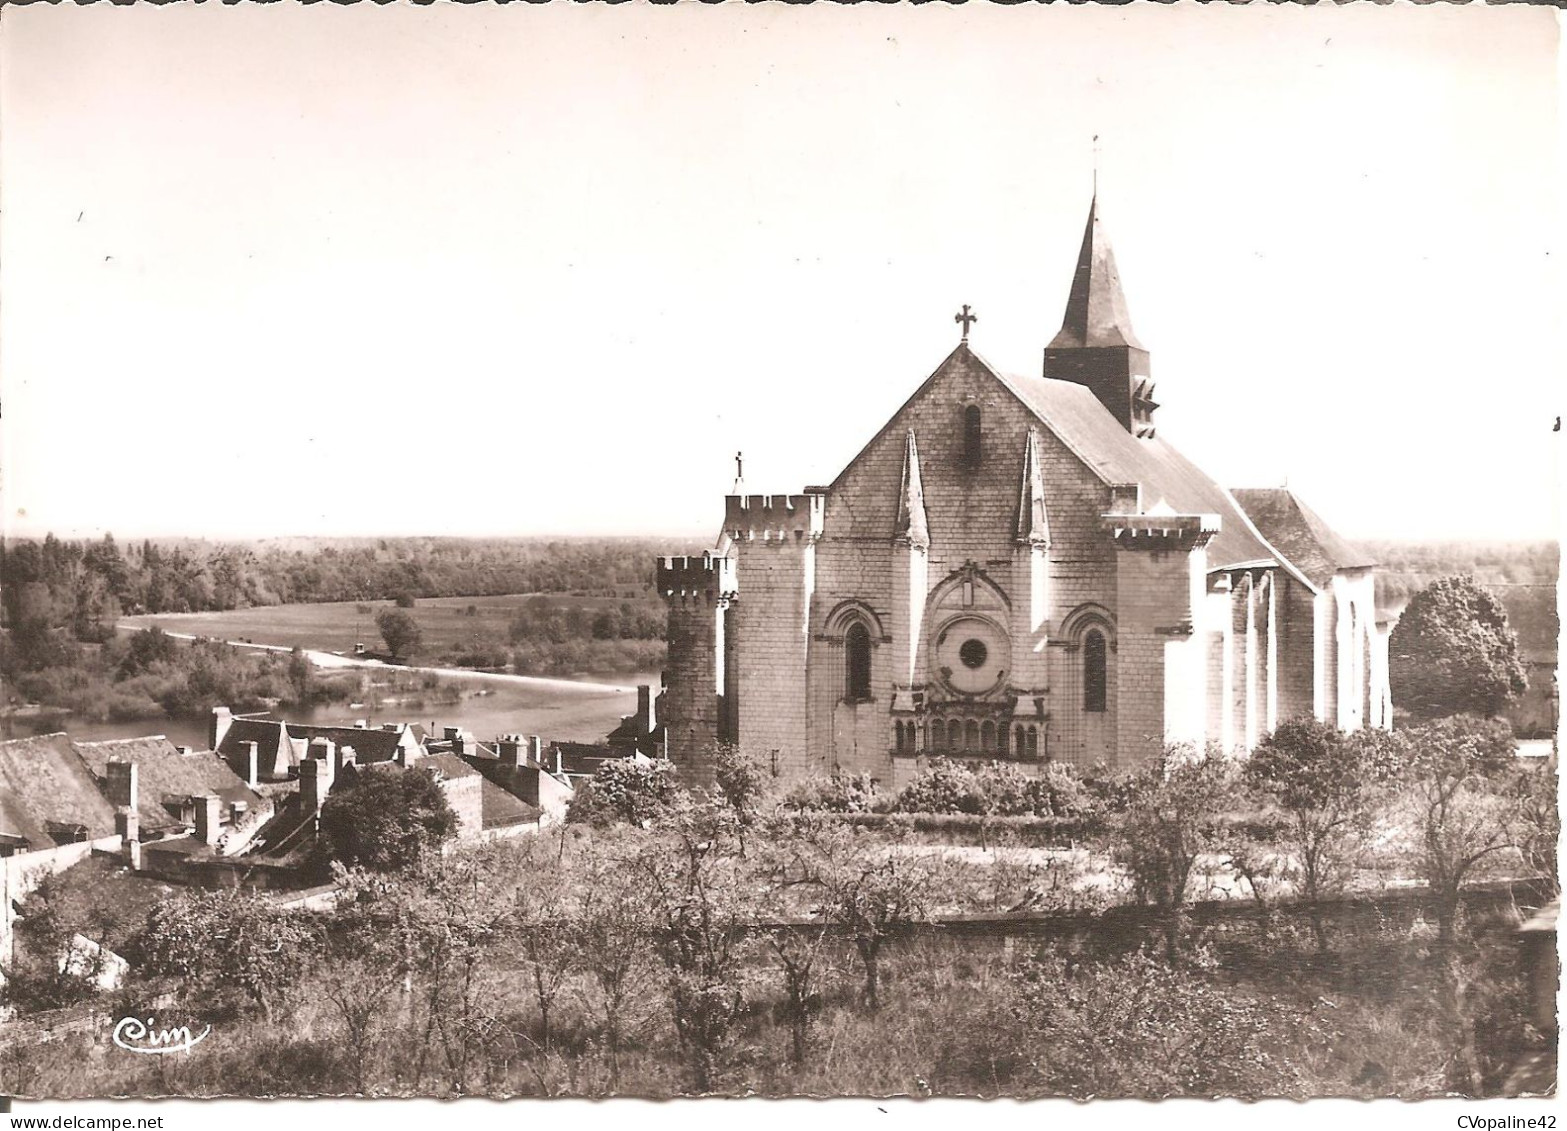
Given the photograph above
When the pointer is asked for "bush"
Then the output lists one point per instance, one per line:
(837, 793)
(386, 818)
(626, 791)
(945, 786)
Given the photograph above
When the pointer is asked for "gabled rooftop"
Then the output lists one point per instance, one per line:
(1300, 533)
(47, 793)
(166, 778)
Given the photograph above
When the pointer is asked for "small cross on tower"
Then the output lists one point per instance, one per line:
(967, 317)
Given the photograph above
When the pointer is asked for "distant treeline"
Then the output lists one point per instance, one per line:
(88, 585)
(1404, 568)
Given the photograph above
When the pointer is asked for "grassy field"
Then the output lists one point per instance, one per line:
(338, 626)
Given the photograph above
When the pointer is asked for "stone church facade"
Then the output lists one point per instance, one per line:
(1021, 569)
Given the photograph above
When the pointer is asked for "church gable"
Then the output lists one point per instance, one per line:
(972, 434)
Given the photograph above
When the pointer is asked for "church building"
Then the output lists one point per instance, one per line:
(1018, 568)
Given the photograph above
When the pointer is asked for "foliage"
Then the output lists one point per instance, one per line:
(1320, 780)
(741, 779)
(701, 911)
(1141, 1027)
(1452, 653)
(225, 938)
(626, 790)
(996, 789)
(385, 818)
(866, 887)
(835, 793)
(1457, 817)
(400, 631)
(1175, 814)
(945, 786)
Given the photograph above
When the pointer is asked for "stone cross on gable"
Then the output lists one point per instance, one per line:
(739, 465)
(967, 317)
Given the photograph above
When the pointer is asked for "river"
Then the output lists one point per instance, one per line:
(489, 705)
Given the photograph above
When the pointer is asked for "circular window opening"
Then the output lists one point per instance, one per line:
(973, 653)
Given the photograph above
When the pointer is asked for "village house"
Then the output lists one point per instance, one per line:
(1021, 568)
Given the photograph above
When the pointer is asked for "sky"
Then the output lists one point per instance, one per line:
(544, 269)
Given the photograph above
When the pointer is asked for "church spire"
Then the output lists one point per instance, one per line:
(1033, 523)
(912, 526)
(1095, 345)
(1096, 313)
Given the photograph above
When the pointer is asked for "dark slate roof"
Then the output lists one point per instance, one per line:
(447, 765)
(165, 778)
(370, 745)
(267, 734)
(1299, 533)
(586, 757)
(1531, 613)
(44, 782)
(1085, 426)
(501, 808)
(1096, 313)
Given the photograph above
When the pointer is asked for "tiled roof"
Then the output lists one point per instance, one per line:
(165, 778)
(44, 782)
(585, 757)
(1074, 414)
(447, 765)
(370, 745)
(1299, 533)
(502, 808)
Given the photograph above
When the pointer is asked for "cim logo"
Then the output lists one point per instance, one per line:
(134, 1035)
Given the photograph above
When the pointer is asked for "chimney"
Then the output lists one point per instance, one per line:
(361, 724)
(345, 757)
(184, 751)
(237, 811)
(512, 751)
(218, 726)
(127, 824)
(252, 763)
(535, 750)
(208, 818)
(315, 782)
(120, 784)
(645, 710)
(325, 750)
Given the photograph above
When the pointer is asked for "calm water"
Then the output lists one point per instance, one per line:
(486, 709)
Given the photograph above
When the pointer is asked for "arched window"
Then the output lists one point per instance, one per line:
(971, 434)
(857, 663)
(971, 736)
(1033, 743)
(1094, 671)
(987, 736)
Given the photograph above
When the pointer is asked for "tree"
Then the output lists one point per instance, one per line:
(1318, 778)
(400, 631)
(1452, 653)
(701, 912)
(742, 782)
(301, 676)
(225, 938)
(386, 818)
(1457, 815)
(1173, 816)
(628, 790)
(868, 888)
